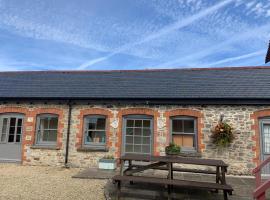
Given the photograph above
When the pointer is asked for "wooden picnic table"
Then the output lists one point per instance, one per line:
(166, 163)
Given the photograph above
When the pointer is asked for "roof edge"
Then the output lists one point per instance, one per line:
(142, 70)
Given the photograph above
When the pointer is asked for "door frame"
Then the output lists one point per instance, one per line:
(263, 121)
(134, 117)
(17, 116)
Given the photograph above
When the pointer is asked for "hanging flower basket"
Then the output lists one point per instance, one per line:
(222, 134)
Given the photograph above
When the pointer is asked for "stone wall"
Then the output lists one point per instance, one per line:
(242, 155)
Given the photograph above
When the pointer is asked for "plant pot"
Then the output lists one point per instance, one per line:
(172, 154)
(107, 164)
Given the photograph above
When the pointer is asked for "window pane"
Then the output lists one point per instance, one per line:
(137, 140)
(146, 132)
(146, 123)
(177, 125)
(137, 148)
(189, 126)
(137, 131)
(146, 140)
(129, 139)
(19, 122)
(11, 130)
(138, 123)
(101, 123)
(146, 149)
(19, 130)
(53, 123)
(130, 123)
(18, 138)
(45, 136)
(12, 121)
(4, 128)
(44, 123)
(129, 148)
(89, 137)
(129, 131)
(11, 138)
(184, 140)
(188, 141)
(96, 137)
(52, 136)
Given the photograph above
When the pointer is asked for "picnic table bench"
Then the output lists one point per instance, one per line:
(166, 163)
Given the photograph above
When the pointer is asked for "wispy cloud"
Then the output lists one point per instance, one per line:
(245, 35)
(175, 26)
(235, 58)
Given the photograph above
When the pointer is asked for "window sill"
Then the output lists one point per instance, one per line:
(92, 149)
(192, 154)
(45, 147)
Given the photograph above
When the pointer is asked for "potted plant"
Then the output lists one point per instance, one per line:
(173, 149)
(222, 134)
(107, 162)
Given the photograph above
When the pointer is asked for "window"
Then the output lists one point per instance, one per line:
(138, 134)
(95, 131)
(183, 130)
(47, 126)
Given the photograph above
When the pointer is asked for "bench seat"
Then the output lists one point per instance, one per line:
(175, 182)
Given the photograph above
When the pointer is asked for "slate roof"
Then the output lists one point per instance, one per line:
(221, 83)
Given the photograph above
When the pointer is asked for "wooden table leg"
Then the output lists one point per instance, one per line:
(130, 167)
(223, 181)
(118, 189)
(217, 176)
(122, 163)
(170, 173)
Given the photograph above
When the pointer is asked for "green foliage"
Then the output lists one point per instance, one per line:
(222, 134)
(108, 157)
(173, 149)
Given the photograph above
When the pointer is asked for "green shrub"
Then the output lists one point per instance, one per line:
(173, 149)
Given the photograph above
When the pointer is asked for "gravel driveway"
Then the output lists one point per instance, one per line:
(33, 182)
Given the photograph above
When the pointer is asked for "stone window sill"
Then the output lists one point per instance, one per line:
(45, 147)
(92, 149)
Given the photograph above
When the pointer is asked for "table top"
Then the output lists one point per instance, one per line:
(174, 159)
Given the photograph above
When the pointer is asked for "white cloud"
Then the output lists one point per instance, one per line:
(231, 59)
(167, 29)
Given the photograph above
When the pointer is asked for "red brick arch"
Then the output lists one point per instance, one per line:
(190, 113)
(93, 111)
(137, 111)
(256, 138)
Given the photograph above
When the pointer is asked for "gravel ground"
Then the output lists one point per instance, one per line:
(34, 182)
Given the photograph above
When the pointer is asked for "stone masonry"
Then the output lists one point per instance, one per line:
(242, 155)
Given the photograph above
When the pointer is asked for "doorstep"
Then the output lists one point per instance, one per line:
(95, 173)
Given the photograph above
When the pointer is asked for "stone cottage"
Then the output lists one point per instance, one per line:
(76, 117)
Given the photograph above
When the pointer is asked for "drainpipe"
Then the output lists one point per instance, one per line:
(68, 133)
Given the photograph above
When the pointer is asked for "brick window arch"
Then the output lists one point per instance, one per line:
(93, 112)
(187, 113)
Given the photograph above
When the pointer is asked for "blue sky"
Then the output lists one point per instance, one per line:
(132, 34)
